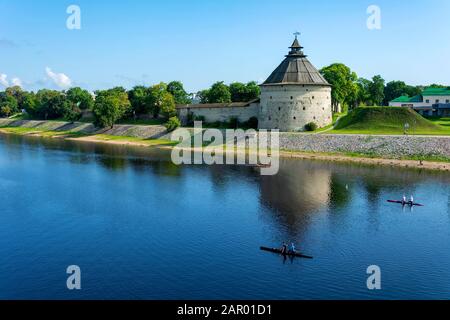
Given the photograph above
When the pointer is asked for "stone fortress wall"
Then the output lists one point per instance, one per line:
(219, 112)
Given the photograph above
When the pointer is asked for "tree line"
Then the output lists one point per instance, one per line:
(160, 100)
(117, 104)
(350, 91)
(235, 92)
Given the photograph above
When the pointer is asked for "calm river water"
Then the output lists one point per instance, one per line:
(140, 227)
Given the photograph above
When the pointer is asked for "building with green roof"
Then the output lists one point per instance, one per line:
(432, 102)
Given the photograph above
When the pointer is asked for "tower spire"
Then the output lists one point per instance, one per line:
(296, 48)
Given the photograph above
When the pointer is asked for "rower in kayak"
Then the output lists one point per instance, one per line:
(406, 202)
(284, 249)
(292, 249)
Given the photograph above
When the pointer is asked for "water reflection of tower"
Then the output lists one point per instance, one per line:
(298, 191)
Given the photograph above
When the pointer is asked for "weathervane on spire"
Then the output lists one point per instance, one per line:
(296, 48)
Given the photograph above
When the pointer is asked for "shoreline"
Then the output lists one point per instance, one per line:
(333, 157)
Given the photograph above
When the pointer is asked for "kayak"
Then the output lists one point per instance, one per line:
(274, 250)
(407, 203)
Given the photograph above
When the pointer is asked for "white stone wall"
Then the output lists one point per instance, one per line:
(432, 100)
(221, 114)
(291, 107)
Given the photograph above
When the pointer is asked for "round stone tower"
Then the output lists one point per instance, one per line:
(295, 94)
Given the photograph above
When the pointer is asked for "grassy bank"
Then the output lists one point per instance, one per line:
(86, 137)
(389, 121)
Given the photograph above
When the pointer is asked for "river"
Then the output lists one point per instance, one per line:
(140, 227)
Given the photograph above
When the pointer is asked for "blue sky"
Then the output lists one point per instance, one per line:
(202, 41)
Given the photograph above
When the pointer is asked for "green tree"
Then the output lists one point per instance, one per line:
(176, 89)
(363, 92)
(29, 103)
(413, 91)
(244, 92)
(139, 99)
(110, 106)
(219, 93)
(167, 105)
(344, 90)
(51, 104)
(8, 105)
(73, 113)
(17, 93)
(203, 96)
(156, 98)
(5, 111)
(393, 90)
(376, 89)
(436, 85)
(237, 91)
(81, 98)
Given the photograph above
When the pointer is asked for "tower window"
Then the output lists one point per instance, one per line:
(270, 97)
(295, 118)
(279, 109)
(304, 108)
(292, 98)
(313, 97)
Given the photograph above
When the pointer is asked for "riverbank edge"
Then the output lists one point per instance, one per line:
(293, 154)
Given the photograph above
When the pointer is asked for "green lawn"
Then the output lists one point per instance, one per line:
(150, 142)
(42, 132)
(441, 121)
(336, 117)
(390, 121)
(148, 122)
(72, 134)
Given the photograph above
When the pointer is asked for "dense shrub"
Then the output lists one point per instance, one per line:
(252, 123)
(233, 123)
(200, 118)
(172, 124)
(311, 126)
(190, 118)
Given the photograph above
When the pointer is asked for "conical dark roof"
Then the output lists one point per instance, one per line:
(296, 69)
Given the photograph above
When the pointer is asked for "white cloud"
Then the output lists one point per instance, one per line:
(60, 79)
(4, 80)
(17, 82)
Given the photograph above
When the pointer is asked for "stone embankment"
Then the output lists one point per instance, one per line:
(377, 146)
(382, 146)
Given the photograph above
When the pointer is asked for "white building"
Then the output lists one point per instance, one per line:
(432, 102)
